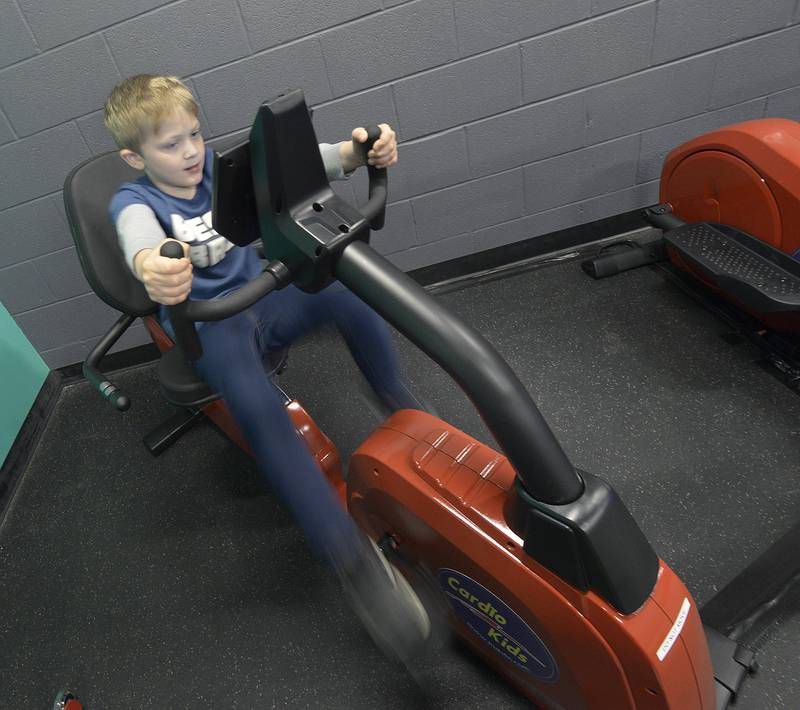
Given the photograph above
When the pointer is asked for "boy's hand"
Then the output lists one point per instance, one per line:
(382, 155)
(167, 281)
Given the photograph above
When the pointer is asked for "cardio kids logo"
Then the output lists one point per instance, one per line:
(497, 625)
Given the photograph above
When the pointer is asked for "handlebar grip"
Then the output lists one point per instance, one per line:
(185, 332)
(118, 399)
(373, 133)
(375, 209)
(172, 249)
(106, 387)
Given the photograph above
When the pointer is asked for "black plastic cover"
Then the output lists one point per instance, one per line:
(302, 222)
(592, 543)
(732, 664)
(662, 216)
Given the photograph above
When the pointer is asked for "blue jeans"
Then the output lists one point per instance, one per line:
(232, 364)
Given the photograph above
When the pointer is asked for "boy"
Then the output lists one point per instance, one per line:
(153, 120)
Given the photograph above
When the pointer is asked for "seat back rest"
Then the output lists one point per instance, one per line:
(87, 192)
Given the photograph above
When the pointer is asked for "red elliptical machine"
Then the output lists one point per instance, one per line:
(730, 215)
(736, 193)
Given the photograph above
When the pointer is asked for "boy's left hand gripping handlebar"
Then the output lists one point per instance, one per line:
(375, 209)
(184, 315)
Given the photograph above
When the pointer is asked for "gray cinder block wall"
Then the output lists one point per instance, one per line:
(517, 117)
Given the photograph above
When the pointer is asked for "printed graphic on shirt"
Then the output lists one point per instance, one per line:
(206, 246)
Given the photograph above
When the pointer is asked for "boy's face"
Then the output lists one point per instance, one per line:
(172, 155)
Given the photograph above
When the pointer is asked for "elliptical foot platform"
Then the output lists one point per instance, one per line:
(761, 277)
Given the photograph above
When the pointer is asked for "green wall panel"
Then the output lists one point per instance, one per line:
(22, 373)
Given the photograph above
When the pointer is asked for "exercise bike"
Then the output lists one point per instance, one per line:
(544, 572)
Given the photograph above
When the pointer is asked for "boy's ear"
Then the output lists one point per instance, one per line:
(132, 158)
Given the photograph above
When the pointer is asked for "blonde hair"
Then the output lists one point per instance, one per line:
(140, 103)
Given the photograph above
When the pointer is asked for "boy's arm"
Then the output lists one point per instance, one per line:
(137, 229)
(382, 155)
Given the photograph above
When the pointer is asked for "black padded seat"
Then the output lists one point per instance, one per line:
(87, 192)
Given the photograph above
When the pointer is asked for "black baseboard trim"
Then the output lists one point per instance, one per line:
(529, 248)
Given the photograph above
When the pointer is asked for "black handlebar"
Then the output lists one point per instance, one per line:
(92, 372)
(184, 315)
(172, 249)
(185, 332)
(503, 402)
(375, 209)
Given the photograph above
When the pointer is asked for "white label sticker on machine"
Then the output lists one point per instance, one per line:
(674, 632)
